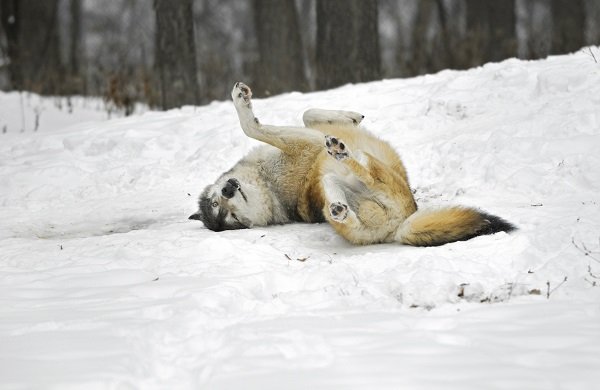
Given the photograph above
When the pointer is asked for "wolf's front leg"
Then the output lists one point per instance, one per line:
(357, 161)
(288, 139)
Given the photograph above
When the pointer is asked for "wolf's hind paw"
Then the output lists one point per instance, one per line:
(336, 148)
(338, 211)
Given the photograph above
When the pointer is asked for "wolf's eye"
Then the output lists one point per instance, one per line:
(214, 204)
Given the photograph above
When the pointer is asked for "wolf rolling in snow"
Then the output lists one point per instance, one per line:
(331, 170)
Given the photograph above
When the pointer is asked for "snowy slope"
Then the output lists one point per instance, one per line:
(104, 283)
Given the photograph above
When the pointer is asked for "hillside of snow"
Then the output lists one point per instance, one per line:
(105, 284)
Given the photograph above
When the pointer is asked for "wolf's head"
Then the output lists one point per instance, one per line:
(233, 203)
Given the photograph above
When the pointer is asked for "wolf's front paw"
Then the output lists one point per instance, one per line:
(241, 94)
(338, 211)
(336, 148)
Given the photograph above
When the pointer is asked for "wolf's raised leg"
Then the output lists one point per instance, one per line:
(316, 116)
(288, 139)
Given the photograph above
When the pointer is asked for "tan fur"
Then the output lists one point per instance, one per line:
(334, 169)
(438, 226)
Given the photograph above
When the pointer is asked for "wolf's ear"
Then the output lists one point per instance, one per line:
(197, 216)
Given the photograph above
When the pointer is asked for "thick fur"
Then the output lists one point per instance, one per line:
(331, 170)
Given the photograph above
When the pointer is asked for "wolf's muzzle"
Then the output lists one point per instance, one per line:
(231, 186)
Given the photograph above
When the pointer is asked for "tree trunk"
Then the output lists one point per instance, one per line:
(10, 23)
(420, 62)
(568, 26)
(281, 62)
(347, 42)
(75, 32)
(31, 29)
(176, 53)
(76, 80)
(491, 30)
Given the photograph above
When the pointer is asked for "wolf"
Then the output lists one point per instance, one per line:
(330, 170)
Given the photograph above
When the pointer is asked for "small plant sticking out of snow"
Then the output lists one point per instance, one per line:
(592, 54)
(592, 277)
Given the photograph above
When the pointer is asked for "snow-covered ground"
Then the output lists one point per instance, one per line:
(104, 283)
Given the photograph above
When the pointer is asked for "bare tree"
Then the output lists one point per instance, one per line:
(9, 22)
(423, 55)
(568, 26)
(175, 53)
(75, 37)
(491, 30)
(225, 46)
(33, 46)
(308, 29)
(281, 64)
(538, 25)
(76, 79)
(347, 42)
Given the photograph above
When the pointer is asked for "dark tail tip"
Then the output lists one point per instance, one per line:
(496, 224)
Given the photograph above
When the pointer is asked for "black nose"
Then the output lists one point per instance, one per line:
(230, 187)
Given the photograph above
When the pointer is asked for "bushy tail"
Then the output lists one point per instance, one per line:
(439, 226)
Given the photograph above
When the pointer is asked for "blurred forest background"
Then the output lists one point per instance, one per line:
(167, 53)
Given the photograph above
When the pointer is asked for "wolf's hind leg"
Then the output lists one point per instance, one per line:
(361, 226)
(316, 116)
(336, 203)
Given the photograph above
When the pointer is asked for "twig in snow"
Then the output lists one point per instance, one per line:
(301, 259)
(548, 291)
(38, 111)
(591, 273)
(592, 54)
(593, 283)
(583, 249)
(22, 112)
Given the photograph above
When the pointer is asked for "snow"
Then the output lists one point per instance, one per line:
(105, 284)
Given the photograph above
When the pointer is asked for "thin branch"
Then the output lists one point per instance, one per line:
(22, 111)
(592, 54)
(593, 283)
(555, 288)
(583, 249)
